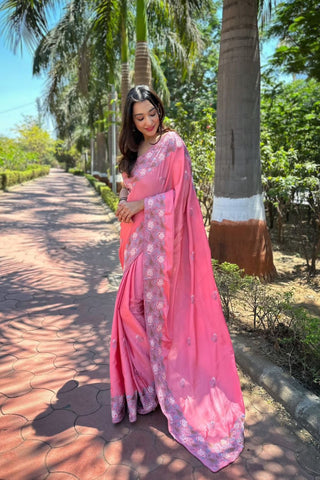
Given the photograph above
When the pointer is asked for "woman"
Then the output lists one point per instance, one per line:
(169, 343)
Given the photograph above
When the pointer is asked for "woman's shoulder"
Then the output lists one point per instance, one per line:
(172, 140)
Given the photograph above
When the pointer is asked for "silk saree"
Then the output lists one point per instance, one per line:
(170, 344)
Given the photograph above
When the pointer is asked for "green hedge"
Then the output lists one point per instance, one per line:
(8, 178)
(107, 195)
(76, 171)
(110, 198)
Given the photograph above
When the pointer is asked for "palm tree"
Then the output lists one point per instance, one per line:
(142, 65)
(238, 232)
(125, 66)
(173, 26)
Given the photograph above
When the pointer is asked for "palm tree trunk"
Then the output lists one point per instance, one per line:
(125, 68)
(142, 66)
(238, 232)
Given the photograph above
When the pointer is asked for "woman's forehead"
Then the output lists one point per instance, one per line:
(141, 108)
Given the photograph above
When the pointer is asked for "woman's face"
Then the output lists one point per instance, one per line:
(146, 119)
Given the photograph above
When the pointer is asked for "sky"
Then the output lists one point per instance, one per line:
(19, 90)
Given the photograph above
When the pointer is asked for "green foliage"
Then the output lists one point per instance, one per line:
(197, 90)
(32, 145)
(90, 178)
(291, 161)
(76, 171)
(292, 331)
(199, 137)
(107, 195)
(230, 280)
(8, 178)
(12, 156)
(32, 139)
(110, 198)
(98, 185)
(290, 117)
(70, 158)
(297, 26)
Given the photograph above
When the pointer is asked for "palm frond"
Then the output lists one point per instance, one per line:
(159, 80)
(25, 22)
(265, 10)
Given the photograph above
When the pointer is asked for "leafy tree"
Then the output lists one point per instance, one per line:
(200, 141)
(32, 139)
(32, 145)
(290, 116)
(291, 160)
(297, 26)
(196, 90)
(13, 157)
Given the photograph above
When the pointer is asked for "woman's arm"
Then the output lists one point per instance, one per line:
(123, 195)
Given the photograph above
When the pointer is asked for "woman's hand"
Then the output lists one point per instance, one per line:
(126, 210)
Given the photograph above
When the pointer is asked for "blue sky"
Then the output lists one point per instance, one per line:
(18, 89)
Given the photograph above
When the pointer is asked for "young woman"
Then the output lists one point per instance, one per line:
(170, 344)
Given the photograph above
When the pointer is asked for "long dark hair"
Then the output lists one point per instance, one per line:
(130, 137)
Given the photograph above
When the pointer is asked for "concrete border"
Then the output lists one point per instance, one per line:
(303, 405)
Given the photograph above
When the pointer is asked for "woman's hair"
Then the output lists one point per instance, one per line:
(130, 137)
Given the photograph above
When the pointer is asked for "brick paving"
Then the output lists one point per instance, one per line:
(59, 277)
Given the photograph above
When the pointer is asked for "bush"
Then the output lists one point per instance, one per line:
(98, 185)
(8, 178)
(229, 279)
(76, 171)
(109, 197)
(292, 331)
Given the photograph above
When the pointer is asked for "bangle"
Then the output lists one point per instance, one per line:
(122, 199)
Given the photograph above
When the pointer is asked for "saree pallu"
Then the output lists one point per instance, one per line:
(170, 343)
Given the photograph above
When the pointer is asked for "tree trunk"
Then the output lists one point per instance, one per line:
(125, 83)
(142, 65)
(101, 155)
(238, 232)
(125, 68)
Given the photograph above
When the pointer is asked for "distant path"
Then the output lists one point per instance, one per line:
(59, 274)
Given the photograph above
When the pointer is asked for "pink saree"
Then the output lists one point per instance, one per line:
(170, 344)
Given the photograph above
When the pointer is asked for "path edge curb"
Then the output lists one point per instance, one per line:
(302, 404)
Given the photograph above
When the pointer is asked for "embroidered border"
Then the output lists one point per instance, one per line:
(219, 454)
(139, 402)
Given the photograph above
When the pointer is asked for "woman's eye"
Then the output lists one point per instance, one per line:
(153, 114)
(140, 119)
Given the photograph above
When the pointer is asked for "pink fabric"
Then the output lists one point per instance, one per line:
(170, 342)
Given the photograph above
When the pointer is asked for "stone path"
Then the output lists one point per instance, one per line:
(59, 275)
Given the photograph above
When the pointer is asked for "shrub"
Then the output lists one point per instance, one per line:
(109, 197)
(293, 332)
(76, 171)
(8, 178)
(229, 279)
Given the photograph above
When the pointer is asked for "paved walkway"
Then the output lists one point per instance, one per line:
(59, 276)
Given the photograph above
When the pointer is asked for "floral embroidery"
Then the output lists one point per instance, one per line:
(133, 248)
(214, 338)
(215, 295)
(140, 402)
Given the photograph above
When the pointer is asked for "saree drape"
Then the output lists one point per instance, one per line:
(170, 343)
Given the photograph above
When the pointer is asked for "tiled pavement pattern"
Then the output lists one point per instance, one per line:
(59, 275)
